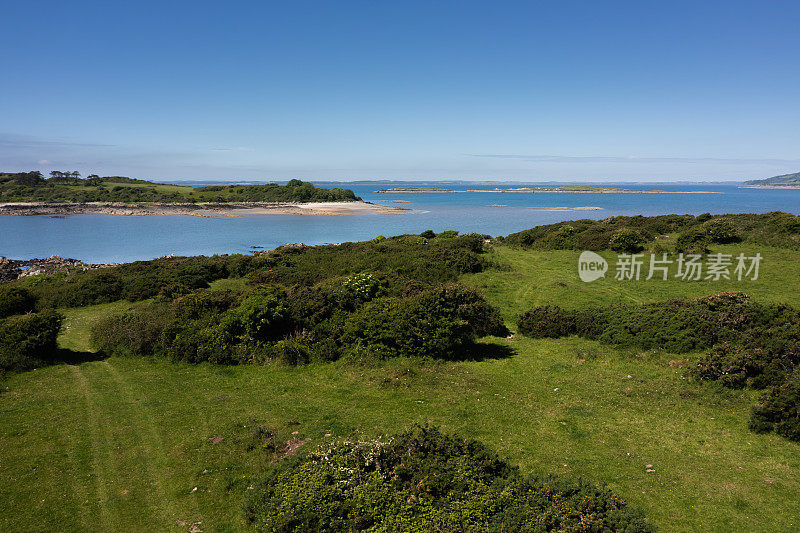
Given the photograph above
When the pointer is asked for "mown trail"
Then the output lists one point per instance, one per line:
(129, 459)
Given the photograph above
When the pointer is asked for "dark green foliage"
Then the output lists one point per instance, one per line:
(437, 260)
(417, 260)
(772, 229)
(303, 324)
(597, 234)
(135, 332)
(29, 340)
(15, 300)
(423, 480)
(779, 409)
(627, 241)
(693, 241)
(438, 323)
(750, 344)
(130, 281)
(549, 321)
(753, 344)
(262, 315)
(313, 303)
(721, 231)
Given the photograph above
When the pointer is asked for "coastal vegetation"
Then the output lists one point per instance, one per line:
(692, 233)
(68, 187)
(425, 480)
(289, 389)
(744, 343)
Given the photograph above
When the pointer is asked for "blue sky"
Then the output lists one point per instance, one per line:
(524, 91)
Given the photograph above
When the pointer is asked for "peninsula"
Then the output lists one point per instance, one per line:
(66, 193)
(784, 181)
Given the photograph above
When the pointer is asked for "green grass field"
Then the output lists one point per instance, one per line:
(124, 444)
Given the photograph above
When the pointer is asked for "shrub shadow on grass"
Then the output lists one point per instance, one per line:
(71, 357)
(485, 351)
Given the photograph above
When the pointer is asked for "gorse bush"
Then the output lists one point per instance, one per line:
(438, 323)
(779, 409)
(626, 241)
(423, 480)
(15, 300)
(693, 241)
(679, 325)
(424, 261)
(380, 299)
(749, 344)
(300, 325)
(695, 233)
(549, 321)
(721, 231)
(29, 340)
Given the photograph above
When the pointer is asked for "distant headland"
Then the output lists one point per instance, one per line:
(784, 181)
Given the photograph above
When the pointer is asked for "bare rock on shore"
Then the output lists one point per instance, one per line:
(11, 269)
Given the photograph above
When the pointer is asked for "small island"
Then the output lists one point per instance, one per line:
(66, 193)
(414, 190)
(784, 181)
(548, 189)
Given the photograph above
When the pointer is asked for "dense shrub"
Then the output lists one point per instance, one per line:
(405, 259)
(732, 365)
(262, 315)
(15, 300)
(438, 323)
(29, 340)
(693, 241)
(749, 344)
(721, 231)
(627, 241)
(779, 409)
(424, 480)
(549, 321)
(270, 323)
(695, 233)
(135, 332)
(680, 325)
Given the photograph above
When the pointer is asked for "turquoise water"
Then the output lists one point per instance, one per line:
(102, 238)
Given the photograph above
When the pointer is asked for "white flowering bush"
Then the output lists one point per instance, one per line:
(364, 286)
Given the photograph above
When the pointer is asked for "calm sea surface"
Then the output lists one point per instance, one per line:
(103, 238)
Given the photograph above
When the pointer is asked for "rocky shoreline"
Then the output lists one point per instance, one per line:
(11, 269)
(206, 210)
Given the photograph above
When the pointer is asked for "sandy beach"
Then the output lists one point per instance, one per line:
(206, 210)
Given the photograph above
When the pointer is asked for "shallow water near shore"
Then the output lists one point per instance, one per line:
(109, 238)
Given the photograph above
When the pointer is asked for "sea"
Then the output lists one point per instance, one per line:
(108, 238)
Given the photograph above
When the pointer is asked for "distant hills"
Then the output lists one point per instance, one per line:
(785, 180)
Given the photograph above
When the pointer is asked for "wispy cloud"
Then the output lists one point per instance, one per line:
(24, 141)
(635, 159)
